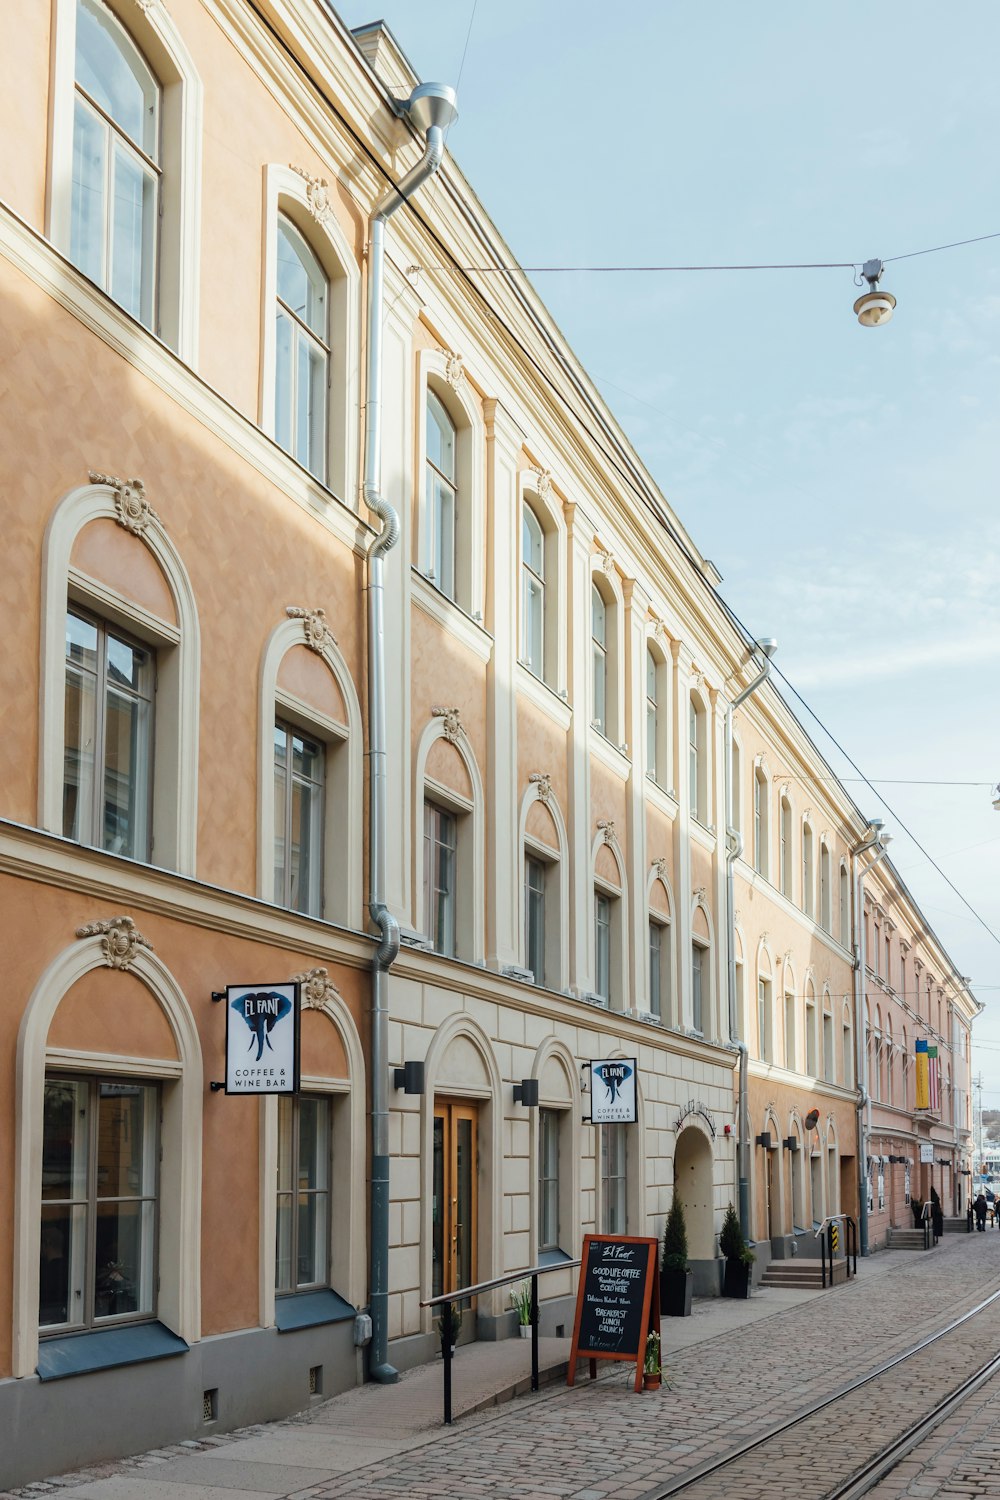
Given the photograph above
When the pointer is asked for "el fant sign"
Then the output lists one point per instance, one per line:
(612, 1092)
(262, 1038)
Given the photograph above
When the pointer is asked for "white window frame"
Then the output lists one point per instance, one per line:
(609, 588)
(470, 467)
(808, 869)
(287, 193)
(470, 813)
(178, 653)
(157, 37)
(762, 826)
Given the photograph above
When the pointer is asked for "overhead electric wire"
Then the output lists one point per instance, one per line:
(619, 465)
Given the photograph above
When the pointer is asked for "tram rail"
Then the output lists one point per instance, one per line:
(871, 1470)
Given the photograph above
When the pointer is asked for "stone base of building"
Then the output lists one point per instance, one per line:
(708, 1276)
(254, 1376)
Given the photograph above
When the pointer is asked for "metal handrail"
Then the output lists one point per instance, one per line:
(826, 1243)
(447, 1300)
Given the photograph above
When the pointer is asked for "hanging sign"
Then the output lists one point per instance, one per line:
(612, 1092)
(262, 1038)
(617, 1303)
(927, 1151)
(923, 1078)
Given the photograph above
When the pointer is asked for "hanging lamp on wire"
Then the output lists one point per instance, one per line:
(875, 306)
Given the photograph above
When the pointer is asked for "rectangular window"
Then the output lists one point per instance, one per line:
(651, 716)
(697, 986)
(693, 788)
(602, 978)
(656, 946)
(548, 1179)
(811, 1039)
(534, 918)
(790, 1040)
(828, 1047)
(599, 658)
(302, 1250)
(845, 909)
(99, 1202)
(613, 1160)
(763, 1019)
(299, 776)
(440, 851)
(108, 744)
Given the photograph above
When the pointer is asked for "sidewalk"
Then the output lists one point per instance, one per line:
(373, 1423)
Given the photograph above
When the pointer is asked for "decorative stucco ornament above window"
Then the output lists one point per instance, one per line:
(454, 370)
(318, 989)
(608, 562)
(452, 726)
(607, 828)
(543, 481)
(120, 938)
(660, 866)
(542, 782)
(316, 632)
(132, 509)
(317, 194)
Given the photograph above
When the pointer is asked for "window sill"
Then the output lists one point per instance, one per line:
(106, 1349)
(555, 1257)
(310, 1310)
(544, 697)
(605, 750)
(659, 797)
(471, 632)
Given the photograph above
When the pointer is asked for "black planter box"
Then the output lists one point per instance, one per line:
(675, 1293)
(736, 1282)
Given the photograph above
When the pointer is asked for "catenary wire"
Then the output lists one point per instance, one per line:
(619, 465)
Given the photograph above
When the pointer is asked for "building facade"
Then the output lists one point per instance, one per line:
(187, 196)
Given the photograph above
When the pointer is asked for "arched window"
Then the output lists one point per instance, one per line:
(761, 813)
(702, 1014)
(442, 496)
(890, 1060)
(829, 1064)
(736, 782)
(660, 955)
(545, 932)
(825, 908)
(609, 925)
(905, 1046)
(302, 351)
(698, 786)
(652, 717)
(785, 846)
(791, 1031)
(808, 899)
(599, 659)
(847, 1047)
(450, 901)
(532, 592)
(765, 1008)
(812, 1031)
(116, 172)
(845, 907)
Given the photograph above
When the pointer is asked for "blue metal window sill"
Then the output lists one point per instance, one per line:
(310, 1309)
(553, 1257)
(106, 1349)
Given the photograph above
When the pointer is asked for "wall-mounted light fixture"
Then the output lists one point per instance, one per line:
(526, 1093)
(764, 1139)
(791, 1143)
(409, 1078)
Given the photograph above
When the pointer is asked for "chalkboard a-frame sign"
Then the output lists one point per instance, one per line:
(617, 1303)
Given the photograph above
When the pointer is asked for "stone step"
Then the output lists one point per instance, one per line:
(806, 1274)
(906, 1239)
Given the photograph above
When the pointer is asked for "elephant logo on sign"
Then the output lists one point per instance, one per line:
(613, 1075)
(262, 1011)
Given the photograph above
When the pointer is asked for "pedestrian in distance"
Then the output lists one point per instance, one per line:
(980, 1207)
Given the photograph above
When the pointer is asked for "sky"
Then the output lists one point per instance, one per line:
(843, 480)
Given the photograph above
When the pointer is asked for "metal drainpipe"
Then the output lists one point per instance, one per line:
(432, 108)
(734, 848)
(860, 1041)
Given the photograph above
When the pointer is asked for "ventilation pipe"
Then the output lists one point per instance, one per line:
(431, 109)
(765, 647)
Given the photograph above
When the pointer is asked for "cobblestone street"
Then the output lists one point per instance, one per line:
(743, 1368)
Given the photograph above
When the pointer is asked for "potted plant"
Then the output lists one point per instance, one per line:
(739, 1257)
(675, 1272)
(520, 1299)
(651, 1372)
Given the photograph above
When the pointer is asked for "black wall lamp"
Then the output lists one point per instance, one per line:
(764, 1139)
(791, 1143)
(526, 1093)
(409, 1078)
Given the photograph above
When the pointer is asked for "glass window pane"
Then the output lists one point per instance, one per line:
(127, 755)
(598, 616)
(120, 1141)
(118, 1283)
(443, 526)
(78, 754)
(87, 211)
(62, 1259)
(533, 542)
(286, 1105)
(132, 236)
(600, 686)
(532, 605)
(64, 1139)
(284, 381)
(314, 1149)
(302, 282)
(283, 1245)
(440, 437)
(111, 69)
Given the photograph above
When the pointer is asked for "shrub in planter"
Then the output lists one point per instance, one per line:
(675, 1273)
(739, 1257)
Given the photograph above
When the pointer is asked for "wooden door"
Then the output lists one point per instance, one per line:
(455, 1214)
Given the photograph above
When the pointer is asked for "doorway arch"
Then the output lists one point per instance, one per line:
(693, 1185)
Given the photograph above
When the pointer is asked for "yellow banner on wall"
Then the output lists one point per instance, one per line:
(923, 1077)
